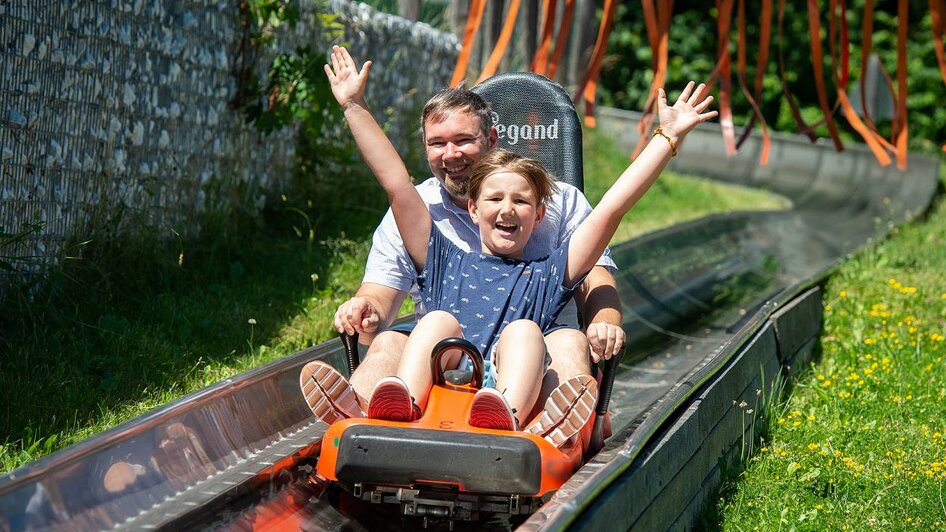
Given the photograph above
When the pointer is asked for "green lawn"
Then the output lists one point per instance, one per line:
(861, 441)
(138, 325)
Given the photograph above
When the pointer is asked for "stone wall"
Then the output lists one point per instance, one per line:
(116, 111)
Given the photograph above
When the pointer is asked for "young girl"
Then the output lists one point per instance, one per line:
(498, 301)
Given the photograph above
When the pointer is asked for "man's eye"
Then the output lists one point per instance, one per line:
(436, 144)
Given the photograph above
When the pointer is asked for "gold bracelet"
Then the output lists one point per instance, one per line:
(673, 147)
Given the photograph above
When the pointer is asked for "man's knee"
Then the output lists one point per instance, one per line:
(381, 360)
(570, 352)
(387, 344)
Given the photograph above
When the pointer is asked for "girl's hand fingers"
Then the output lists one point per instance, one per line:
(685, 95)
(701, 106)
(698, 95)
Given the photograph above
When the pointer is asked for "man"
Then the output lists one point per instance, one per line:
(458, 130)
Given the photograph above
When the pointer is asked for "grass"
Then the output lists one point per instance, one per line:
(141, 321)
(861, 441)
(673, 199)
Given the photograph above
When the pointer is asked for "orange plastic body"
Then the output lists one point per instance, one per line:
(447, 410)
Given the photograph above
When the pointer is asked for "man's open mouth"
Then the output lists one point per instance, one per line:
(454, 171)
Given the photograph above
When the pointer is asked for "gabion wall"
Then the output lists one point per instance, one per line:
(117, 110)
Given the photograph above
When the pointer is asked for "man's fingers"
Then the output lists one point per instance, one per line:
(336, 61)
(346, 57)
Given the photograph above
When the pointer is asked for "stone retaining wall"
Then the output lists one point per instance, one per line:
(117, 111)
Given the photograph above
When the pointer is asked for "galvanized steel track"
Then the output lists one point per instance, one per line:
(697, 298)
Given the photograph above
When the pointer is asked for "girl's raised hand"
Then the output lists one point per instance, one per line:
(688, 111)
(348, 84)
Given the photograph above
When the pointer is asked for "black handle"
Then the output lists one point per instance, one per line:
(436, 355)
(350, 341)
(604, 399)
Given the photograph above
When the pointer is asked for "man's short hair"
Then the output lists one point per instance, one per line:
(501, 160)
(449, 100)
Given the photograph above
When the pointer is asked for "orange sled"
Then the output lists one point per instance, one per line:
(440, 467)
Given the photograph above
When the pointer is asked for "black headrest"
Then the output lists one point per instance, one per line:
(535, 118)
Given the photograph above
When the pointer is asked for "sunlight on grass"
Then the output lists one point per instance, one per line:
(862, 442)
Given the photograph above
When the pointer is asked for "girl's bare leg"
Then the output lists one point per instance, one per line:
(414, 366)
(520, 359)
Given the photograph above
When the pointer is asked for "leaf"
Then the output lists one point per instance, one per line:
(811, 474)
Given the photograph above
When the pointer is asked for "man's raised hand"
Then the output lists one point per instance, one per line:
(347, 82)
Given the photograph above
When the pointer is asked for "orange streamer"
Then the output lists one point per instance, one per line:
(473, 20)
(840, 82)
(803, 127)
(561, 39)
(741, 75)
(658, 35)
(901, 132)
(492, 64)
(937, 13)
(762, 61)
(814, 29)
(541, 60)
(723, 70)
(589, 84)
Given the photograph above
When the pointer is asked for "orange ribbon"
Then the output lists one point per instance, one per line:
(473, 20)
(492, 64)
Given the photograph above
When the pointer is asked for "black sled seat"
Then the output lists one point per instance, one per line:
(535, 118)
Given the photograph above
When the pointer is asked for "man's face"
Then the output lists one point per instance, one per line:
(453, 144)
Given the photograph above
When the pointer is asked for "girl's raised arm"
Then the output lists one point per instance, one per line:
(410, 211)
(592, 236)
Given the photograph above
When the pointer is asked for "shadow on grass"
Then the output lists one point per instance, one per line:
(140, 320)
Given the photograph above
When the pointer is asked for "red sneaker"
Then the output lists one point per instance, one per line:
(391, 400)
(490, 410)
(327, 393)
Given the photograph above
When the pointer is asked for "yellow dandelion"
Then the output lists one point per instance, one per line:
(842, 293)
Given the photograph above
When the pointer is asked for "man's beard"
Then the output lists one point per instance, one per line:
(457, 189)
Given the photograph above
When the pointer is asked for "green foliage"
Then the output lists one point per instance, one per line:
(626, 72)
(432, 13)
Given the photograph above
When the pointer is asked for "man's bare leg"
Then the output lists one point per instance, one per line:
(381, 360)
(571, 357)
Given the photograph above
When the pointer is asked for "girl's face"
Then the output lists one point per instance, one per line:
(506, 211)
